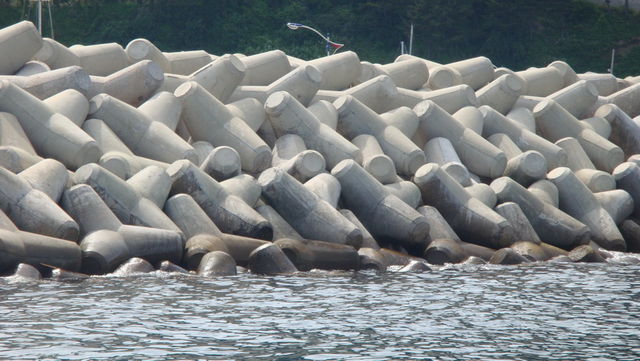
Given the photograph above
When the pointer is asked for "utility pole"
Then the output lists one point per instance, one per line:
(39, 15)
(411, 40)
(613, 55)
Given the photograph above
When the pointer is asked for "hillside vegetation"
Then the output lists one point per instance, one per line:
(513, 33)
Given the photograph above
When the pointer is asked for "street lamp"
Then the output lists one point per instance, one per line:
(336, 46)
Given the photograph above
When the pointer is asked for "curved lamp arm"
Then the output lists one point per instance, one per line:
(296, 26)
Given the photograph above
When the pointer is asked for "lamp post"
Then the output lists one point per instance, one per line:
(330, 44)
(39, 14)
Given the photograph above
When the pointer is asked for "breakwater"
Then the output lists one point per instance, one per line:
(128, 159)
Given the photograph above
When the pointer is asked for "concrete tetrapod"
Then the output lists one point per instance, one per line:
(186, 62)
(117, 157)
(552, 225)
(291, 154)
(445, 245)
(480, 156)
(545, 191)
(133, 266)
(269, 259)
(53, 135)
(389, 219)
(222, 163)
(577, 98)
(219, 77)
(217, 263)
(312, 217)
(379, 94)
(238, 247)
(508, 256)
(372, 259)
(244, 187)
(402, 118)
(542, 81)
(525, 168)
(355, 119)
(605, 83)
(407, 191)
(631, 231)
(339, 70)
(470, 117)
(142, 49)
(378, 164)
(203, 112)
(198, 246)
(56, 55)
(152, 183)
(281, 229)
(33, 210)
(229, 212)
(502, 93)
(522, 229)
(626, 99)
(48, 176)
(440, 151)
(265, 68)
(627, 177)
(325, 112)
(50, 83)
(475, 72)
(107, 242)
(17, 246)
(163, 107)
(326, 187)
(583, 168)
(18, 44)
(410, 73)
(17, 159)
(70, 103)
(367, 239)
(554, 122)
(472, 220)
(430, 64)
(483, 193)
(617, 202)
(133, 84)
(12, 134)
(569, 75)
(123, 199)
(308, 254)
(27, 272)
(441, 251)
(451, 99)
(288, 116)
(526, 140)
(145, 137)
(523, 117)
(624, 131)
(101, 59)
(189, 217)
(302, 83)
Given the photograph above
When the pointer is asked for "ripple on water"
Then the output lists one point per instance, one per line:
(532, 312)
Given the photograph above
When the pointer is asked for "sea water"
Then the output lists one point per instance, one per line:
(541, 311)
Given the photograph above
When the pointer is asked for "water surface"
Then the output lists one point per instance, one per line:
(533, 312)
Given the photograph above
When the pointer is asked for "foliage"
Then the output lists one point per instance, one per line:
(512, 33)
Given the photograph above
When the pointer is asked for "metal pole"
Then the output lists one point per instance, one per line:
(50, 19)
(613, 55)
(40, 16)
(411, 40)
(401, 47)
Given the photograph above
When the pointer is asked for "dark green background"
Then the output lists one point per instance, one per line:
(512, 33)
